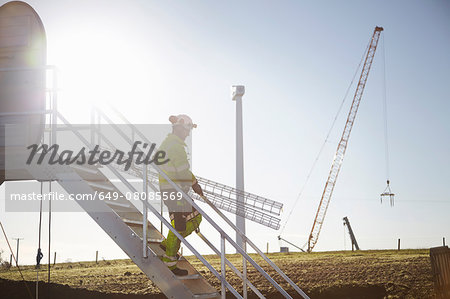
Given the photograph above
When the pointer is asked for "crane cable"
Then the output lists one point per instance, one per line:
(15, 260)
(387, 191)
(386, 149)
(325, 141)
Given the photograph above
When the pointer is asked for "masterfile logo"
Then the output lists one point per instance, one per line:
(94, 156)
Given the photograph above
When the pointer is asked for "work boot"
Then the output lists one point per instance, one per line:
(171, 263)
(163, 247)
(179, 272)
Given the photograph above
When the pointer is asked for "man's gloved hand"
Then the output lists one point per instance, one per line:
(197, 188)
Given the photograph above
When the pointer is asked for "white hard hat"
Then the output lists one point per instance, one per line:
(183, 120)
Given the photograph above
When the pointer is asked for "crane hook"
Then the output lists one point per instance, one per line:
(388, 193)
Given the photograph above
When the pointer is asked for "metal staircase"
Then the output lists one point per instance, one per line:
(125, 224)
(132, 231)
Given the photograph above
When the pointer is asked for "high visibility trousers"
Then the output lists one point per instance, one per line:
(172, 243)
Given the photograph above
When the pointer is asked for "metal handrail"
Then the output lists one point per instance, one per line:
(229, 264)
(218, 228)
(224, 235)
(204, 215)
(160, 217)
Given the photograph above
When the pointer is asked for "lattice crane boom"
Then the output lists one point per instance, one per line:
(342, 146)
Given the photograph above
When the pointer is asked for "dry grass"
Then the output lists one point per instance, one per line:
(401, 274)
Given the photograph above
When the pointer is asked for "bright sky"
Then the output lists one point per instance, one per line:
(152, 59)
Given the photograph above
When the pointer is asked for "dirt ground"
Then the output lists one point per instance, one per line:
(363, 274)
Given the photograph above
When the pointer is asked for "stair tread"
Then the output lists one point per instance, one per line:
(186, 277)
(153, 235)
(199, 286)
(207, 295)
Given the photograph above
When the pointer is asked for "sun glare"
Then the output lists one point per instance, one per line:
(95, 68)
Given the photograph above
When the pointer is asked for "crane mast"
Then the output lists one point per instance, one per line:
(342, 146)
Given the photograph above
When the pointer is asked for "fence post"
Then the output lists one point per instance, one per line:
(443, 241)
(10, 260)
(398, 244)
(267, 251)
(96, 257)
(54, 259)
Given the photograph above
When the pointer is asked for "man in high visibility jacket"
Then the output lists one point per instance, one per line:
(183, 217)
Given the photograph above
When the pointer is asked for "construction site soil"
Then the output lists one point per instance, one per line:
(362, 274)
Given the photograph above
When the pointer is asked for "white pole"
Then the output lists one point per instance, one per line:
(237, 92)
